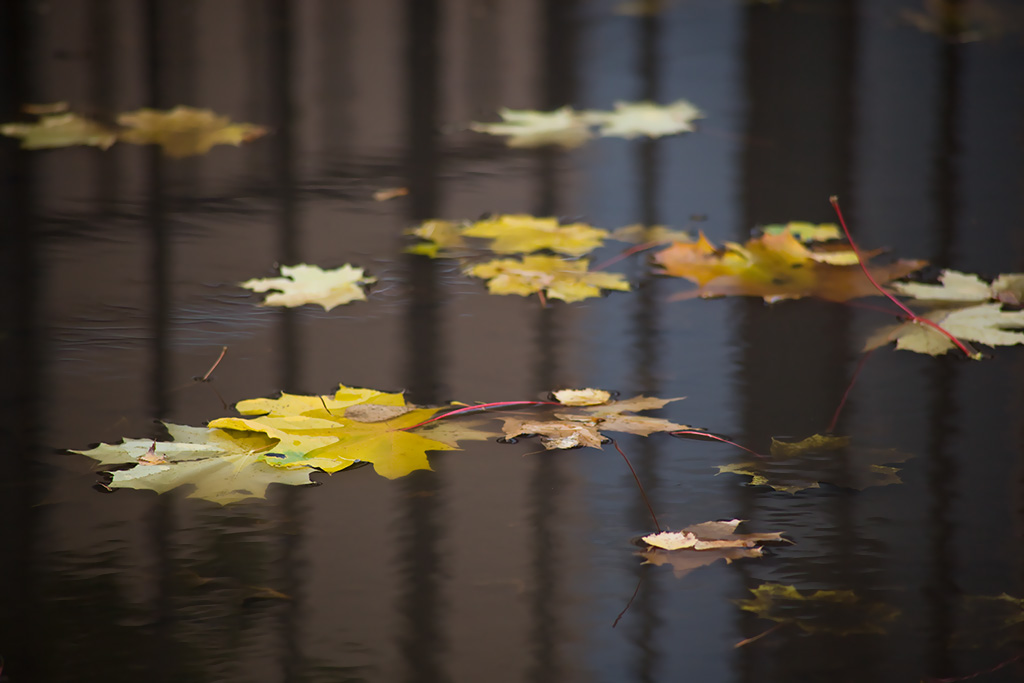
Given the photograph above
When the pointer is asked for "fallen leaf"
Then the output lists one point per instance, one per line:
(582, 397)
(314, 431)
(558, 278)
(526, 128)
(585, 427)
(984, 323)
(442, 239)
(683, 563)
(224, 466)
(839, 612)
(635, 119)
(773, 266)
(805, 232)
(965, 287)
(795, 466)
(185, 131)
(61, 130)
(643, 234)
(554, 434)
(385, 194)
(522, 234)
(710, 536)
(305, 284)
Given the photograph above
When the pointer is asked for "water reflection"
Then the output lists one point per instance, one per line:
(501, 563)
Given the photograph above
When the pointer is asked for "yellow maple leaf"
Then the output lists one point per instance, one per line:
(518, 233)
(316, 431)
(305, 284)
(185, 131)
(558, 278)
(773, 266)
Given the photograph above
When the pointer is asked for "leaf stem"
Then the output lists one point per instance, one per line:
(626, 253)
(834, 200)
(849, 388)
(482, 406)
(638, 484)
(697, 432)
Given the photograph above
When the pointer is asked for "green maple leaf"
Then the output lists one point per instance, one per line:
(224, 466)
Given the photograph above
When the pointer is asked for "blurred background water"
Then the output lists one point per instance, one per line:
(503, 563)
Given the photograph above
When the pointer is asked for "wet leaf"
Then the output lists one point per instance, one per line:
(522, 234)
(526, 128)
(709, 536)
(305, 284)
(985, 324)
(965, 287)
(582, 397)
(635, 119)
(773, 266)
(703, 544)
(554, 434)
(805, 232)
(683, 562)
(586, 426)
(61, 130)
(839, 612)
(185, 131)
(316, 431)
(558, 278)
(442, 239)
(795, 466)
(387, 193)
(638, 233)
(224, 466)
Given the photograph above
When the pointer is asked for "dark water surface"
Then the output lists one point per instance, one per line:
(502, 564)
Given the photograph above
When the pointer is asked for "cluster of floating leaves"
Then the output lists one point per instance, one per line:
(180, 132)
(286, 439)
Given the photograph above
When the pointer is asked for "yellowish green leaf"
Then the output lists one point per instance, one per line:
(61, 130)
(223, 466)
(984, 323)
